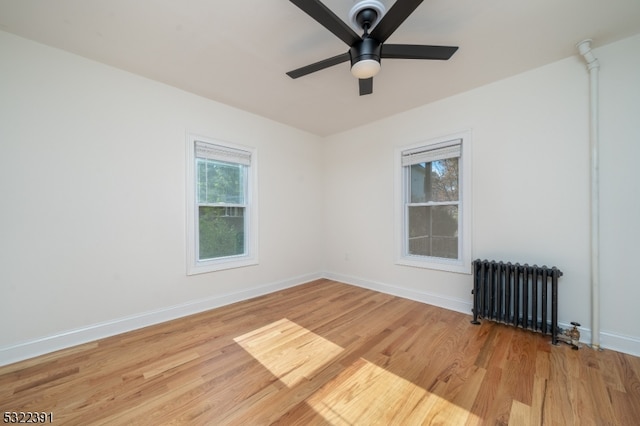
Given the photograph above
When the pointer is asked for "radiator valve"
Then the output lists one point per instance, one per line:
(572, 337)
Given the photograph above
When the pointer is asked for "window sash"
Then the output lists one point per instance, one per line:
(431, 232)
(241, 190)
(227, 245)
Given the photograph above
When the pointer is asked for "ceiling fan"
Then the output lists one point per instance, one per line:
(366, 51)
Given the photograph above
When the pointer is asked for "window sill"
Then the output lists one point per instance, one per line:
(447, 265)
(221, 265)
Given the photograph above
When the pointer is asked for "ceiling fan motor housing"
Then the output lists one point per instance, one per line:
(368, 48)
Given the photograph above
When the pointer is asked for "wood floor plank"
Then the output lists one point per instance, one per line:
(520, 413)
(326, 353)
(537, 401)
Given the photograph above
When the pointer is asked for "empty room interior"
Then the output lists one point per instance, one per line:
(333, 213)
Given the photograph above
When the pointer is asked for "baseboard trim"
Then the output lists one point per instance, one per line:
(450, 303)
(620, 343)
(64, 340)
(70, 338)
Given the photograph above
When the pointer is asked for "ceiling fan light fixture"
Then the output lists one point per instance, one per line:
(365, 58)
(365, 68)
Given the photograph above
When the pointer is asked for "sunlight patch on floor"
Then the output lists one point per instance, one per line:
(362, 394)
(291, 352)
(365, 394)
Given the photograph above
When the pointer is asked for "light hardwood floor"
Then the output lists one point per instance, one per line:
(326, 353)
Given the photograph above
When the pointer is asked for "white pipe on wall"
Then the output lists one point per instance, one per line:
(584, 47)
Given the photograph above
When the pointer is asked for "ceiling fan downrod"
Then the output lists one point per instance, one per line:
(365, 19)
(365, 55)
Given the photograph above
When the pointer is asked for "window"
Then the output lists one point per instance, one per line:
(221, 219)
(433, 219)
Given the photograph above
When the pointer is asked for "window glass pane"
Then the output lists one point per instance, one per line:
(219, 182)
(435, 181)
(221, 231)
(433, 231)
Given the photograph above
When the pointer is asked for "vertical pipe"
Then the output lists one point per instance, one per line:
(584, 47)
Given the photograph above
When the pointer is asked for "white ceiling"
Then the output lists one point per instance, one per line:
(237, 52)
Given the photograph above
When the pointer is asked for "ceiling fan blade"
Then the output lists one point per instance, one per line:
(328, 19)
(391, 20)
(366, 86)
(325, 63)
(417, 51)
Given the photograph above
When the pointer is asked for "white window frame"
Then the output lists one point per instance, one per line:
(195, 266)
(463, 263)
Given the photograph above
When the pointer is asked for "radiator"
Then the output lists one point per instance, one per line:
(520, 295)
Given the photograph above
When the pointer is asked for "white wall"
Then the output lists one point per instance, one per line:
(530, 150)
(92, 183)
(92, 179)
(620, 190)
